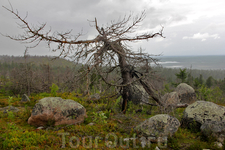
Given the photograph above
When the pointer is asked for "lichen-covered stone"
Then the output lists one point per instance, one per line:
(57, 111)
(171, 99)
(9, 108)
(201, 111)
(138, 94)
(214, 129)
(186, 93)
(161, 125)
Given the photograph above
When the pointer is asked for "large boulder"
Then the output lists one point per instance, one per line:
(161, 125)
(56, 111)
(171, 99)
(186, 93)
(214, 129)
(200, 112)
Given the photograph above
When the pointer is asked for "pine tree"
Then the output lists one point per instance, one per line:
(182, 75)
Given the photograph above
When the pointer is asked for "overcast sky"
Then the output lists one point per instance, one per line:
(191, 27)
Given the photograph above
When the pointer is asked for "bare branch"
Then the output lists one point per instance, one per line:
(114, 61)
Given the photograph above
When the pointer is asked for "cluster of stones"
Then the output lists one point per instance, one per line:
(207, 117)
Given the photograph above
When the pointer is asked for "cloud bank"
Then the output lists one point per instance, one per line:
(185, 23)
(203, 36)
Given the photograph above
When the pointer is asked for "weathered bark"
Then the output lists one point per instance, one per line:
(149, 90)
(127, 76)
(125, 73)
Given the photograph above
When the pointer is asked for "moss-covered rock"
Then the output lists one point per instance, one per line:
(9, 108)
(201, 112)
(161, 125)
(57, 111)
(214, 129)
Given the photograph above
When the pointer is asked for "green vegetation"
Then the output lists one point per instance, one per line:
(11, 115)
(54, 88)
(40, 74)
(99, 117)
(10, 100)
(182, 75)
(16, 133)
(104, 114)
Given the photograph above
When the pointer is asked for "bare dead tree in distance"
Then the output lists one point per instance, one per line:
(107, 52)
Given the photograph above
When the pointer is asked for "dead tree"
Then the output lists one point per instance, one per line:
(107, 53)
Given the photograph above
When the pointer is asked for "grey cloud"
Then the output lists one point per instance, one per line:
(202, 36)
(74, 14)
(214, 27)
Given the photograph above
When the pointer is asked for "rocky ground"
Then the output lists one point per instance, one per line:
(105, 127)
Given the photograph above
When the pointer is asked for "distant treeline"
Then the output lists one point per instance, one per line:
(35, 74)
(169, 73)
(36, 60)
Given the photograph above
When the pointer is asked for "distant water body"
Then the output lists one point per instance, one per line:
(214, 62)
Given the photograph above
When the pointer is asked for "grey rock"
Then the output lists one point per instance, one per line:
(214, 129)
(57, 111)
(9, 108)
(170, 101)
(25, 98)
(40, 128)
(138, 94)
(91, 124)
(156, 148)
(218, 144)
(143, 141)
(200, 112)
(186, 93)
(158, 126)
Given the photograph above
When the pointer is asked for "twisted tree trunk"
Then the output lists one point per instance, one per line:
(126, 77)
(108, 48)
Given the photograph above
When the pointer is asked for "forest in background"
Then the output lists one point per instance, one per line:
(36, 74)
(41, 76)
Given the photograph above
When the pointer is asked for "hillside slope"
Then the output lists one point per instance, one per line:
(37, 60)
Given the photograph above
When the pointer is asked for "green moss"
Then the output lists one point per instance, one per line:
(18, 134)
(20, 139)
(11, 115)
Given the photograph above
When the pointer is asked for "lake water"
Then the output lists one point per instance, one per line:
(214, 62)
